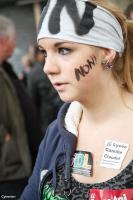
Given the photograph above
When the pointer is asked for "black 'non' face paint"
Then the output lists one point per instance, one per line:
(83, 70)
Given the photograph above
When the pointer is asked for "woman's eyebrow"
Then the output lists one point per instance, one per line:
(57, 44)
(60, 43)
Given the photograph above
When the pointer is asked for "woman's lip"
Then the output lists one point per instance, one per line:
(59, 86)
(59, 83)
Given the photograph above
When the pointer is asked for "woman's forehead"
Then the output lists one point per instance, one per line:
(52, 41)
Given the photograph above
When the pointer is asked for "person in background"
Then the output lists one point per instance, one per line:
(129, 11)
(43, 94)
(18, 120)
(27, 63)
(87, 153)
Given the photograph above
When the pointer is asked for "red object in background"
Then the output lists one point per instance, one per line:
(123, 194)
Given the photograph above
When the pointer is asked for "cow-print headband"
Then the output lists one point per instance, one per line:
(82, 22)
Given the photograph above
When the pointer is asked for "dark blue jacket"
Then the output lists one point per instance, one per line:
(57, 145)
(56, 150)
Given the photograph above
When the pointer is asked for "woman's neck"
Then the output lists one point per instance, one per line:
(104, 104)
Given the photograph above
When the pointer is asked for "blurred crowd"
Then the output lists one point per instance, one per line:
(28, 104)
(44, 96)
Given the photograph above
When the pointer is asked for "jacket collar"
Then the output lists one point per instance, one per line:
(67, 121)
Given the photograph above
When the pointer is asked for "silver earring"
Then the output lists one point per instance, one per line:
(106, 64)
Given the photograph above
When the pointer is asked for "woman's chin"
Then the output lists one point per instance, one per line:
(66, 98)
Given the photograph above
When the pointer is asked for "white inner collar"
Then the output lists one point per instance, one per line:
(72, 118)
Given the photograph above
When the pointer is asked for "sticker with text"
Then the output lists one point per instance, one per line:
(82, 163)
(114, 154)
(123, 194)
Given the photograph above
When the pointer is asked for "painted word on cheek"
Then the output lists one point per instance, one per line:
(84, 70)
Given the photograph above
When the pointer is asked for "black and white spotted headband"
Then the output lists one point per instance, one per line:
(82, 22)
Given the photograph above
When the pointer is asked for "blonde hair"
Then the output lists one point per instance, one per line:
(123, 66)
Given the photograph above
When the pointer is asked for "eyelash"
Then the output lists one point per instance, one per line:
(59, 51)
(66, 49)
(43, 52)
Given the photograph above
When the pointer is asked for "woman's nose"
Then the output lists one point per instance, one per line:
(50, 66)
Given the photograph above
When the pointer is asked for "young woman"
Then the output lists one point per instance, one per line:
(88, 151)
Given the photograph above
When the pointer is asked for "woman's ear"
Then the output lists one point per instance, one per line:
(108, 59)
(109, 55)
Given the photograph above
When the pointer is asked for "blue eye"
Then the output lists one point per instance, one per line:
(64, 51)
